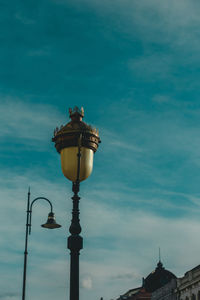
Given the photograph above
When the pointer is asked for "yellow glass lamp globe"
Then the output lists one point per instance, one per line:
(69, 163)
(73, 141)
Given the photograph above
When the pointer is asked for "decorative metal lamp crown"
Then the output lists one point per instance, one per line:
(68, 135)
(51, 222)
(73, 136)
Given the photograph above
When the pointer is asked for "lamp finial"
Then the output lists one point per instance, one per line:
(76, 113)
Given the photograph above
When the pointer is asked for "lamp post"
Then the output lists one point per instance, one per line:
(76, 142)
(50, 224)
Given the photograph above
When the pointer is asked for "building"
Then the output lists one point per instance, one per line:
(188, 287)
(155, 280)
(162, 284)
(166, 292)
(158, 278)
(185, 288)
(135, 294)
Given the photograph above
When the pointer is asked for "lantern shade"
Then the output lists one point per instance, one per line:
(69, 163)
(51, 222)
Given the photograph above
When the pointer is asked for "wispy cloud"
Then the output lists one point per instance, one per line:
(152, 67)
(9, 296)
(145, 192)
(39, 52)
(112, 234)
(86, 283)
(27, 122)
(172, 21)
(162, 99)
(124, 276)
(23, 19)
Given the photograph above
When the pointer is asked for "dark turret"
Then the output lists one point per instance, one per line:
(158, 278)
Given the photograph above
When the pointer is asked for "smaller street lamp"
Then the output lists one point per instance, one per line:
(50, 224)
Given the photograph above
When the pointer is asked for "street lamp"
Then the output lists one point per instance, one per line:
(76, 142)
(50, 224)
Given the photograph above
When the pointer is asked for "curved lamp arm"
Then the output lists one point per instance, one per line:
(38, 198)
(30, 211)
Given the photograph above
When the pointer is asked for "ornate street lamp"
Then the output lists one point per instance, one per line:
(50, 224)
(76, 142)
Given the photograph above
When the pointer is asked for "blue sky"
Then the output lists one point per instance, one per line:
(134, 67)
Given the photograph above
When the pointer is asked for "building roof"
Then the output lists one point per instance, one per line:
(157, 278)
(137, 293)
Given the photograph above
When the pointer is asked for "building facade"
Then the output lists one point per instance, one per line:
(188, 287)
(166, 292)
(184, 288)
(136, 294)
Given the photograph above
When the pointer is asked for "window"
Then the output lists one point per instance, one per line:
(198, 295)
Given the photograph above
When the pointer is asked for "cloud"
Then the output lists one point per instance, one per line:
(86, 283)
(161, 99)
(145, 192)
(115, 235)
(39, 52)
(30, 123)
(119, 219)
(115, 140)
(23, 19)
(9, 296)
(154, 67)
(124, 276)
(172, 21)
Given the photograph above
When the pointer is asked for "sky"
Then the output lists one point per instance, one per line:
(134, 66)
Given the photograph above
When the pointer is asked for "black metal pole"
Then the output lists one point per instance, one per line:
(75, 241)
(26, 245)
(75, 244)
(28, 231)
